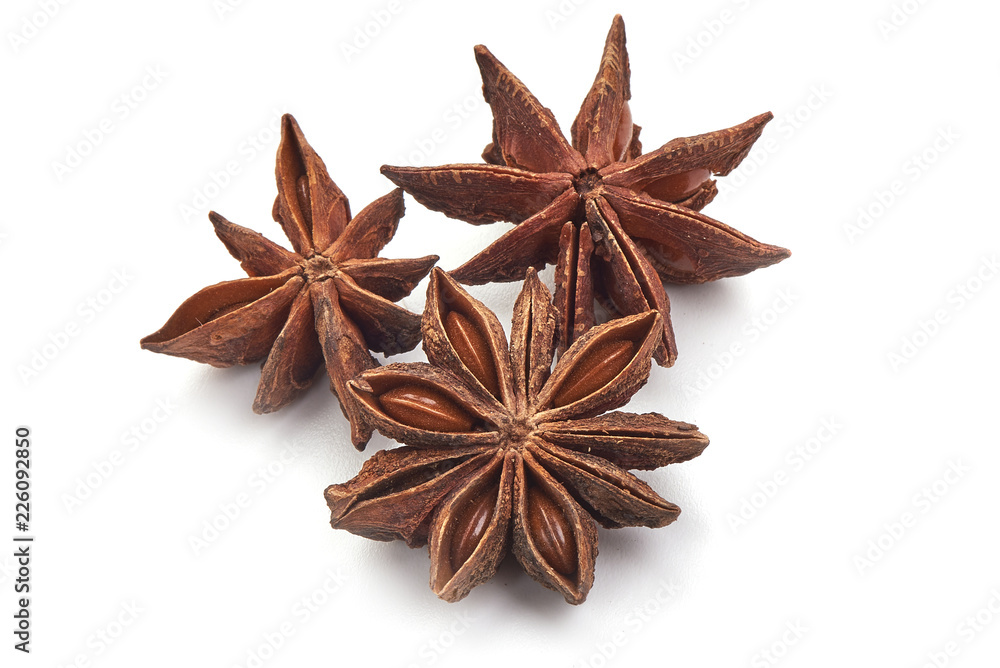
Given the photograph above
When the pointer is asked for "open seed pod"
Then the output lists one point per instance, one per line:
(503, 455)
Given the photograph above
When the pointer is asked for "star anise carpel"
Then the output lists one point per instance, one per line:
(614, 221)
(330, 299)
(503, 451)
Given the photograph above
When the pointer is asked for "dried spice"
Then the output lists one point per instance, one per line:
(505, 452)
(613, 220)
(331, 299)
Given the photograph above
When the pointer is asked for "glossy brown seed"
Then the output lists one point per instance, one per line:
(424, 408)
(599, 367)
(679, 186)
(470, 526)
(550, 532)
(473, 350)
(623, 136)
(669, 258)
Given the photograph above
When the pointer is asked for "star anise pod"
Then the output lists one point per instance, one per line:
(331, 299)
(614, 221)
(501, 453)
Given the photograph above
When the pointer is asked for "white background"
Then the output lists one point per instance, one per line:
(869, 553)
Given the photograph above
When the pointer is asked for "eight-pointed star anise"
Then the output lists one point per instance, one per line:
(332, 298)
(609, 217)
(502, 453)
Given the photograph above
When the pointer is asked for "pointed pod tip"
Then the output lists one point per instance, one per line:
(218, 220)
(668, 358)
(486, 59)
(433, 288)
(529, 287)
(395, 197)
(330, 494)
(359, 385)
(648, 318)
(444, 280)
(394, 174)
(772, 255)
(155, 342)
(428, 263)
(261, 405)
(533, 283)
(654, 321)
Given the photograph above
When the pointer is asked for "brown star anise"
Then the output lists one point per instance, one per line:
(332, 298)
(502, 453)
(609, 217)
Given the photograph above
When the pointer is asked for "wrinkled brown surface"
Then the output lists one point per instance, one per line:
(526, 458)
(534, 177)
(331, 300)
